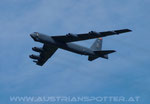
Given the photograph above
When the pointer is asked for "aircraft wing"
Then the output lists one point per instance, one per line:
(91, 35)
(47, 52)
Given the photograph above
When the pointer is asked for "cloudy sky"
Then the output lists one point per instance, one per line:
(126, 73)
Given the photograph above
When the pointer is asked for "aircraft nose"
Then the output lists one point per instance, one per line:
(33, 36)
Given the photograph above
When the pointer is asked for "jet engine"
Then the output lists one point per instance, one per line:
(36, 49)
(93, 32)
(35, 61)
(34, 56)
(72, 35)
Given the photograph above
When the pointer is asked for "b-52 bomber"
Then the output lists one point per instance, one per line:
(52, 43)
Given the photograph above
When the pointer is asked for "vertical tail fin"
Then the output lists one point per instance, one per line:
(97, 45)
(97, 48)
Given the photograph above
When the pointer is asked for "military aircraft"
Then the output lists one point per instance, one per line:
(52, 43)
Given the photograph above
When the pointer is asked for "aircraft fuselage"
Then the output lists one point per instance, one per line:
(52, 43)
(66, 46)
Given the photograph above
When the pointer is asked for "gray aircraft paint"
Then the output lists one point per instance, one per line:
(52, 43)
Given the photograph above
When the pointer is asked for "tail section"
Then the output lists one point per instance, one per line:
(97, 48)
(97, 45)
(103, 54)
(91, 58)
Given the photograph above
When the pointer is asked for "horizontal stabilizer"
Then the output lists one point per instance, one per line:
(91, 58)
(104, 52)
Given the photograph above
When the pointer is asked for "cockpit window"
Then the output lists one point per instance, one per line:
(37, 34)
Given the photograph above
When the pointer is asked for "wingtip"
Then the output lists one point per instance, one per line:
(114, 51)
(129, 30)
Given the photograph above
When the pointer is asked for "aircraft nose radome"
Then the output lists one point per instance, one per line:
(33, 36)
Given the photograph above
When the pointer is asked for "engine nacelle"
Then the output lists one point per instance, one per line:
(34, 56)
(93, 32)
(36, 49)
(35, 61)
(72, 35)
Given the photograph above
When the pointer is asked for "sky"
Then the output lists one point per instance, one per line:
(126, 73)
